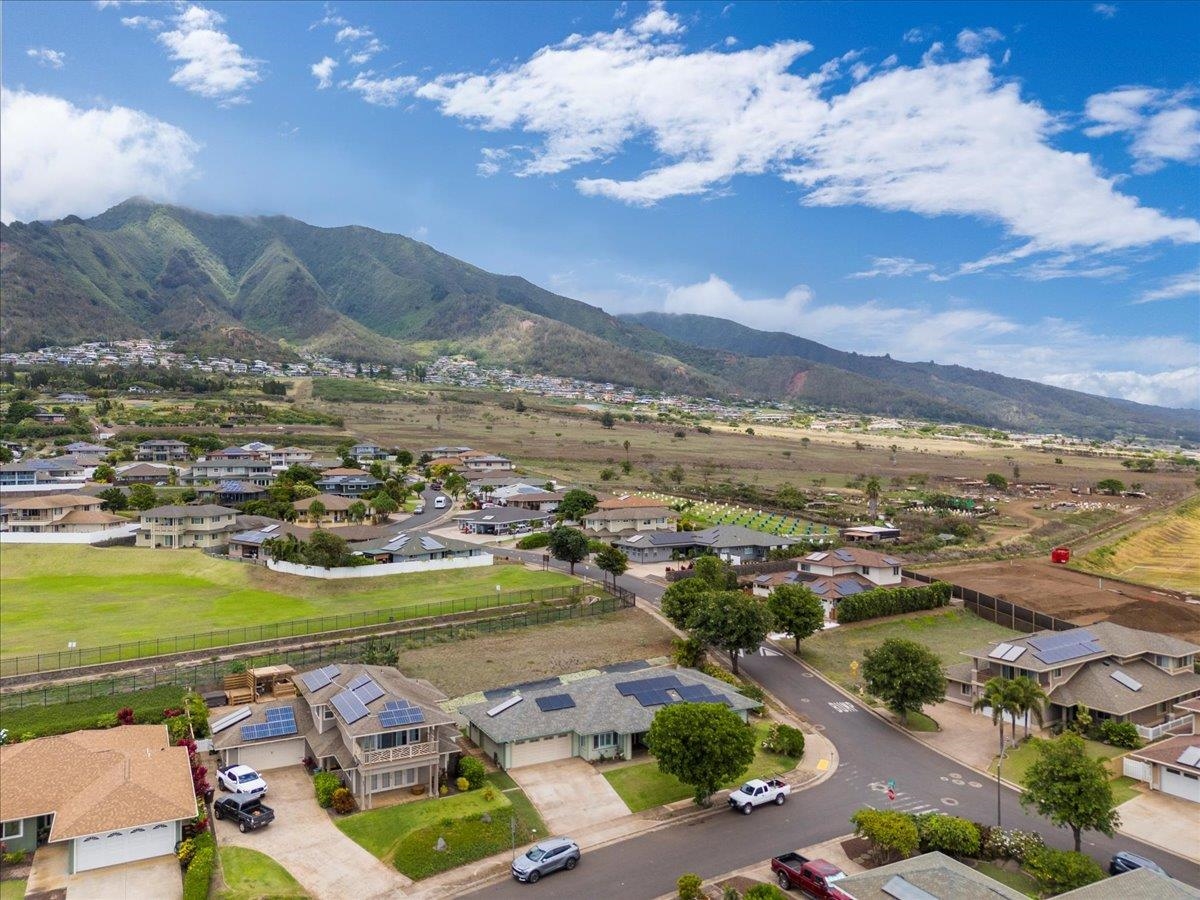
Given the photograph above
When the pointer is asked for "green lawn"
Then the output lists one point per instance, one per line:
(12, 890)
(407, 834)
(250, 875)
(1015, 879)
(61, 718)
(643, 786)
(917, 721)
(126, 594)
(1018, 761)
(1124, 789)
(947, 632)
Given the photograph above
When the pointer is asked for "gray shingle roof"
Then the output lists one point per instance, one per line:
(599, 706)
(719, 537)
(1138, 884)
(1095, 688)
(395, 687)
(502, 515)
(933, 873)
(1114, 640)
(200, 509)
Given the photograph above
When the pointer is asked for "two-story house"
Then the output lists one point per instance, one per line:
(1118, 673)
(179, 527)
(735, 544)
(367, 452)
(251, 470)
(162, 451)
(348, 485)
(35, 473)
(282, 457)
(834, 575)
(57, 514)
(486, 463)
(623, 515)
(436, 453)
(378, 730)
(230, 493)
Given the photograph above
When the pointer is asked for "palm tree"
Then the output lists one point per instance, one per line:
(1029, 698)
(872, 489)
(998, 697)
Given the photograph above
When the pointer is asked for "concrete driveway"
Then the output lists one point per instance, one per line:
(1167, 822)
(157, 878)
(570, 794)
(304, 840)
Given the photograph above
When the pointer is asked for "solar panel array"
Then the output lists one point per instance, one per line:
(658, 697)
(642, 685)
(358, 681)
(848, 587)
(281, 721)
(700, 693)
(844, 555)
(349, 706)
(368, 692)
(400, 712)
(1190, 757)
(1121, 678)
(428, 543)
(999, 650)
(319, 678)
(1064, 645)
(554, 702)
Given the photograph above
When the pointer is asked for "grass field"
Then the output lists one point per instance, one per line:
(1014, 878)
(1166, 553)
(12, 890)
(733, 514)
(250, 875)
(55, 594)
(643, 786)
(947, 632)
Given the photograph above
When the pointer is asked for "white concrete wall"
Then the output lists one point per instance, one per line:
(381, 569)
(87, 537)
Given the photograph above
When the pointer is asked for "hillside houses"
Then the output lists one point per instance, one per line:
(57, 514)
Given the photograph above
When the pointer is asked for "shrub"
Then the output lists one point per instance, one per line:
(751, 690)
(489, 794)
(721, 674)
(1002, 843)
(462, 784)
(343, 801)
(1062, 870)
(534, 541)
(15, 858)
(891, 601)
(177, 729)
(947, 834)
(1120, 734)
(472, 770)
(688, 652)
(688, 887)
(764, 892)
(109, 720)
(199, 873)
(785, 740)
(893, 835)
(325, 784)
(197, 711)
(125, 715)
(185, 851)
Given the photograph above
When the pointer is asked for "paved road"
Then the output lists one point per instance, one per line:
(870, 752)
(431, 517)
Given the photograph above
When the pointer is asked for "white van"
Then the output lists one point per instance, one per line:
(439, 502)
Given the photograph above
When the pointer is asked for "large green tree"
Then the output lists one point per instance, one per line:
(612, 561)
(681, 600)
(383, 505)
(1070, 788)
(873, 490)
(326, 549)
(704, 745)
(575, 504)
(568, 544)
(114, 499)
(731, 621)
(905, 675)
(797, 611)
(142, 496)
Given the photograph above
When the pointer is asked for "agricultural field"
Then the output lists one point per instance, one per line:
(54, 594)
(1165, 553)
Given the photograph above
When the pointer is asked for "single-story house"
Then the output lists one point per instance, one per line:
(501, 520)
(414, 546)
(539, 500)
(1171, 766)
(1120, 674)
(436, 453)
(604, 716)
(859, 533)
(1136, 884)
(930, 875)
(378, 730)
(114, 795)
(145, 473)
(248, 544)
(72, 398)
(49, 417)
(733, 543)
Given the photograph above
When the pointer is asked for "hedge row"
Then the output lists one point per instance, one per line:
(62, 718)
(891, 601)
(200, 870)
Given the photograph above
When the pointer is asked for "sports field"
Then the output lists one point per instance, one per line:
(52, 595)
(1166, 553)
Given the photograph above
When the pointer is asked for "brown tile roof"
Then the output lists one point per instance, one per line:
(860, 557)
(1168, 751)
(342, 470)
(396, 687)
(97, 781)
(92, 517)
(54, 501)
(628, 503)
(331, 502)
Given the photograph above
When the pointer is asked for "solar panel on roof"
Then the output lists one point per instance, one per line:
(655, 697)
(358, 681)
(659, 683)
(554, 702)
(1190, 756)
(1121, 678)
(280, 713)
(891, 562)
(369, 692)
(816, 557)
(316, 679)
(270, 729)
(1014, 653)
(428, 543)
(1063, 652)
(501, 707)
(350, 707)
(849, 588)
(999, 650)
(1060, 638)
(332, 671)
(696, 693)
(901, 889)
(394, 718)
(397, 704)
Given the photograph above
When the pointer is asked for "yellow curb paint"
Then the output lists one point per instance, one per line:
(823, 765)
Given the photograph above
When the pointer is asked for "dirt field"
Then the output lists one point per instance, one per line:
(527, 654)
(1077, 597)
(1166, 553)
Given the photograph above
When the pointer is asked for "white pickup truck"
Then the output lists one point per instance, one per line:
(756, 792)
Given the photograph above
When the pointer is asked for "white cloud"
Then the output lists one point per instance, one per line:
(893, 267)
(1185, 284)
(1158, 370)
(974, 42)
(288, 130)
(147, 22)
(61, 159)
(621, 11)
(323, 71)
(370, 48)
(915, 36)
(944, 138)
(53, 59)
(658, 21)
(1070, 266)
(352, 33)
(381, 91)
(212, 65)
(1161, 125)
(1106, 10)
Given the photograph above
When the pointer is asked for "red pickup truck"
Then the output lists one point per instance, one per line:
(815, 877)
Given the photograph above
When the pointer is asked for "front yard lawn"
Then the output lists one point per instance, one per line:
(1017, 762)
(125, 594)
(12, 890)
(918, 721)
(407, 835)
(947, 632)
(1014, 878)
(643, 786)
(250, 875)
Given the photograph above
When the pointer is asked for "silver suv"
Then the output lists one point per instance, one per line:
(546, 857)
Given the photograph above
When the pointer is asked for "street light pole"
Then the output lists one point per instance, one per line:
(999, 762)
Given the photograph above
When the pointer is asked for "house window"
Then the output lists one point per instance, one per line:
(327, 713)
(1057, 673)
(895, 570)
(14, 829)
(866, 570)
(805, 567)
(604, 741)
(966, 690)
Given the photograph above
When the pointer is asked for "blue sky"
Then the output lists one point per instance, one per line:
(1005, 186)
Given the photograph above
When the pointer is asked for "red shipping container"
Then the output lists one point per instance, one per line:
(1060, 555)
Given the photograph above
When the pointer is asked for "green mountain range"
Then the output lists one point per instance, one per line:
(269, 286)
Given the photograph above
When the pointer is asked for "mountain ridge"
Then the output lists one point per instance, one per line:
(148, 269)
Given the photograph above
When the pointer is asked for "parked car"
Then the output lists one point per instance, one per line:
(815, 877)
(247, 810)
(420, 509)
(756, 792)
(241, 780)
(544, 858)
(1124, 861)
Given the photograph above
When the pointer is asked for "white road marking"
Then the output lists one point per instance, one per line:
(843, 707)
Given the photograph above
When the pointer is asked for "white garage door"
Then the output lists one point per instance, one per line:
(274, 755)
(124, 846)
(1181, 784)
(530, 753)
